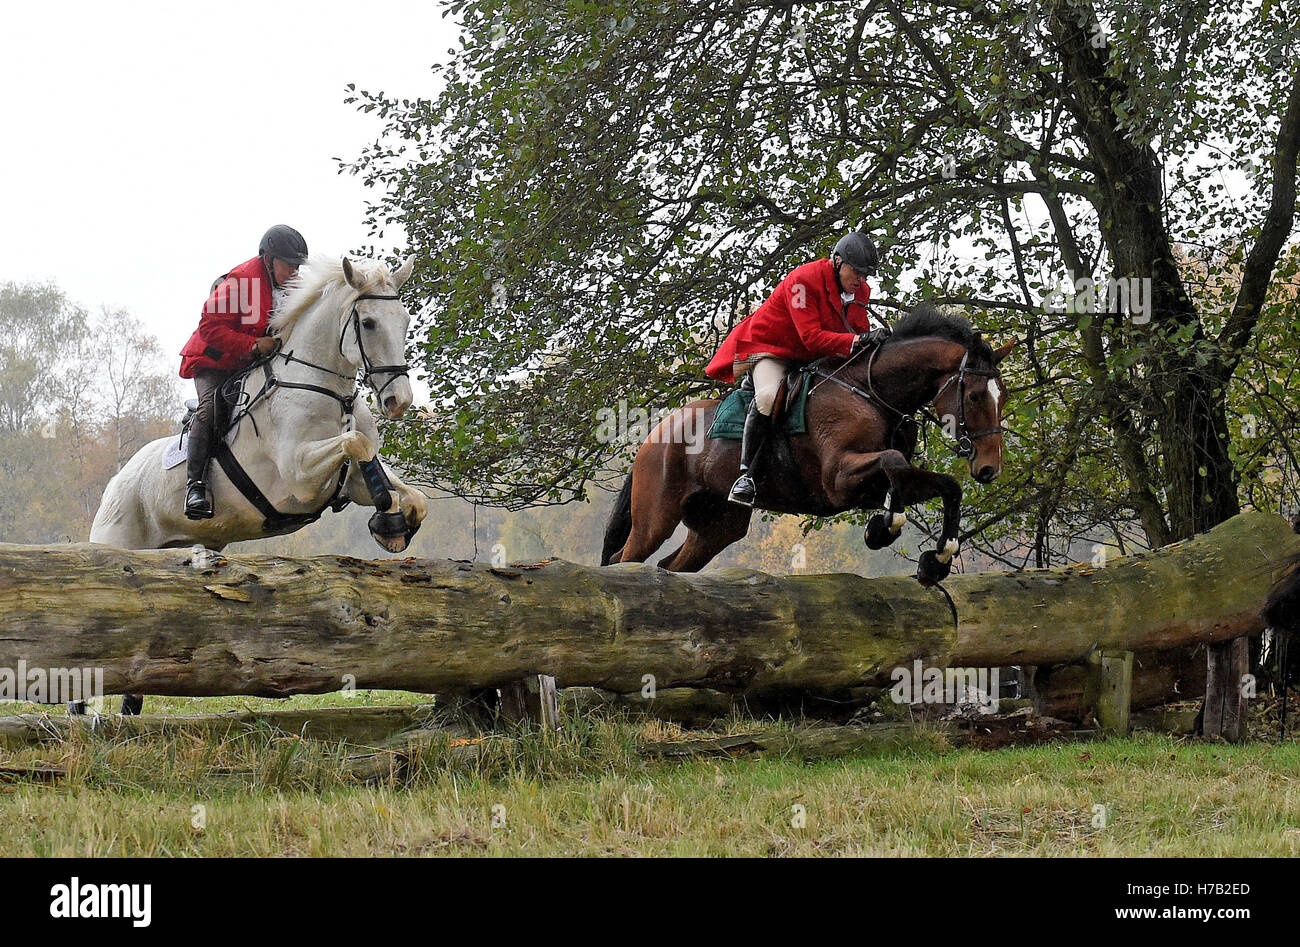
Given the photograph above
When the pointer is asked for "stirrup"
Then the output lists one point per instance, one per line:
(196, 508)
(743, 491)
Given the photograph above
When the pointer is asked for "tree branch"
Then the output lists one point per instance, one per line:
(1272, 237)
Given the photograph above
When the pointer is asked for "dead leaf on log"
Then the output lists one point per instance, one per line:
(229, 592)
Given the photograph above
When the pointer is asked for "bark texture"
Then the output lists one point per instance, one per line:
(159, 622)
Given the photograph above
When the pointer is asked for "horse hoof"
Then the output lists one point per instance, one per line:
(877, 535)
(930, 570)
(391, 544)
(390, 531)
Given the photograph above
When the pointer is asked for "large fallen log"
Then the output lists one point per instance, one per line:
(162, 622)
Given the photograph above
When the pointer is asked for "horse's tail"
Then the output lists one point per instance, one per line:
(619, 526)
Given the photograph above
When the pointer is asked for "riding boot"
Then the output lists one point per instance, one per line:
(757, 425)
(198, 448)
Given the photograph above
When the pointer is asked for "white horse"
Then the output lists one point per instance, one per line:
(294, 439)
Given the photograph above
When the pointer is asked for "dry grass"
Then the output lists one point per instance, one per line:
(586, 791)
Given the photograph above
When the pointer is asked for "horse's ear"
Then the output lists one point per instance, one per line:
(348, 274)
(403, 274)
(1000, 353)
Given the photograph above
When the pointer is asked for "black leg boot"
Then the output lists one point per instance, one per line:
(198, 448)
(743, 490)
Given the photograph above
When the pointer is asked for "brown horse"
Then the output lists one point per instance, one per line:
(856, 455)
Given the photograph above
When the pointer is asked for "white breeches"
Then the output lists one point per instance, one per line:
(768, 374)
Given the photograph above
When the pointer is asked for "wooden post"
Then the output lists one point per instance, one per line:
(514, 701)
(1110, 688)
(533, 698)
(548, 699)
(1225, 701)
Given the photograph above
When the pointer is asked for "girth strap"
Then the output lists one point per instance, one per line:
(274, 519)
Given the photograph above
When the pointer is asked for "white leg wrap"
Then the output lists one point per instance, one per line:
(949, 550)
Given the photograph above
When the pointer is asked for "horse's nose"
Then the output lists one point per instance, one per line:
(393, 407)
(986, 474)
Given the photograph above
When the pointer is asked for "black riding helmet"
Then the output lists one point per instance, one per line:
(282, 242)
(857, 250)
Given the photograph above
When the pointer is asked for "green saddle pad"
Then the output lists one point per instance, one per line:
(729, 421)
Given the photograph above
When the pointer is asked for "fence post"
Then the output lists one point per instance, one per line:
(533, 698)
(1110, 688)
(1225, 702)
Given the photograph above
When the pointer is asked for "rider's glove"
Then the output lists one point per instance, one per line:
(872, 338)
(266, 345)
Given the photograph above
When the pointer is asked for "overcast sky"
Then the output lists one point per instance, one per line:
(148, 145)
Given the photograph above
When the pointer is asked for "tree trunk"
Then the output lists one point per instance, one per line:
(274, 626)
(1187, 401)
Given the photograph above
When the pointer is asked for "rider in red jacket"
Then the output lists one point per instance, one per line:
(819, 309)
(231, 333)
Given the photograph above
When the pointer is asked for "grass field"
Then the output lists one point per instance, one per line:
(587, 791)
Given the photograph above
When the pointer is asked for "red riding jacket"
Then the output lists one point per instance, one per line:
(233, 319)
(801, 321)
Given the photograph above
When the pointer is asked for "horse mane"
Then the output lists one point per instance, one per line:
(926, 320)
(324, 282)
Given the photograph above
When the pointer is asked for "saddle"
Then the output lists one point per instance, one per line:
(224, 413)
(788, 411)
(789, 396)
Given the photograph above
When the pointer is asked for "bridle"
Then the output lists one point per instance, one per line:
(397, 371)
(965, 437)
(346, 401)
(370, 370)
